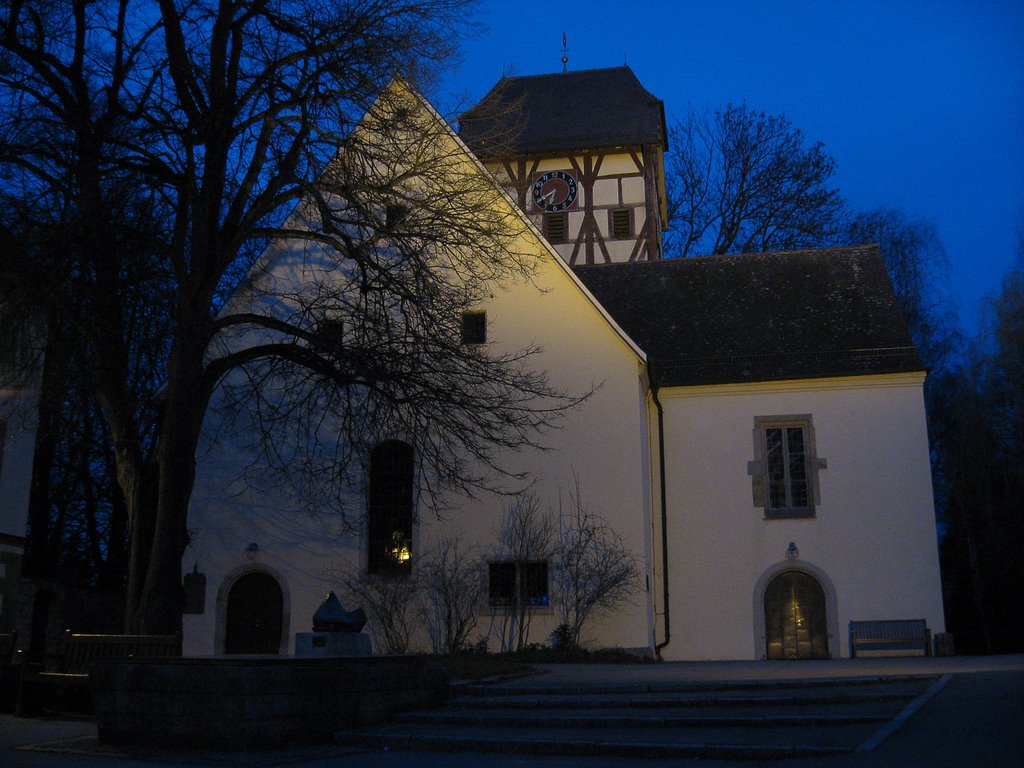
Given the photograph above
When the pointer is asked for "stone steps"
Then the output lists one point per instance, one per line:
(733, 721)
(619, 719)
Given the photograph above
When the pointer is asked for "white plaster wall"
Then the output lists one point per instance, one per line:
(873, 533)
(606, 192)
(603, 443)
(17, 410)
(633, 190)
(301, 550)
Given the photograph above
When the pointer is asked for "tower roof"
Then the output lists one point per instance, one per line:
(759, 317)
(591, 109)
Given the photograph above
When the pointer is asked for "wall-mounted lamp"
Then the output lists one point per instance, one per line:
(251, 550)
(792, 553)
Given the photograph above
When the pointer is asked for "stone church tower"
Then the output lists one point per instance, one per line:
(583, 154)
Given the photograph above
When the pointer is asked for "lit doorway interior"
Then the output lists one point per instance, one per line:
(795, 618)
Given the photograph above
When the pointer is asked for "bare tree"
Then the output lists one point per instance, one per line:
(740, 181)
(451, 592)
(1008, 358)
(526, 545)
(224, 116)
(918, 267)
(390, 605)
(594, 571)
(981, 432)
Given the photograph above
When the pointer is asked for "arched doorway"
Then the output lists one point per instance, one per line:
(254, 615)
(796, 625)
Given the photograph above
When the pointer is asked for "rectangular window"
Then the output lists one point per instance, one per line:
(785, 467)
(395, 213)
(521, 583)
(620, 222)
(330, 335)
(474, 327)
(501, 584)
(556, 227)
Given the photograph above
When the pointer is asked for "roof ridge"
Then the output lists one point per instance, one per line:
(834, 249)
(571, 72)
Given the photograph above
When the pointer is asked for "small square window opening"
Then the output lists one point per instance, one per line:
(396, 213)
(620, 222)
(474, 327)
(556, 227)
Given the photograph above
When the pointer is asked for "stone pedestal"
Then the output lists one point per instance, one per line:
(328, 645)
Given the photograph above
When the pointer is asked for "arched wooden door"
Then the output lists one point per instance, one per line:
(254, 615)
(796, 625)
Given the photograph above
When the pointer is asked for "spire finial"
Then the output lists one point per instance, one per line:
(565, 55)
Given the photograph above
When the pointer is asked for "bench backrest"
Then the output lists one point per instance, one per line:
(903, 629)
(80, 651)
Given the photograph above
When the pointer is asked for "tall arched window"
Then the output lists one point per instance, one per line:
(389, 516)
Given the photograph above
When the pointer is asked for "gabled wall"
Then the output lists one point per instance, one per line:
(871, 544)
(602, 442)
(237, 529)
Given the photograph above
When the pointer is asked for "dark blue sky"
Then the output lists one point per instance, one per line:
(920, 103)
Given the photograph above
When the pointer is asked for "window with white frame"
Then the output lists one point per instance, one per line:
(518, 583)
(785, 468)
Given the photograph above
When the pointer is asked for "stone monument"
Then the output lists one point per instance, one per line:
(336, 632)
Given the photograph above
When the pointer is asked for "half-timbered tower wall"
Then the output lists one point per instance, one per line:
(616, 216)
(582, 154)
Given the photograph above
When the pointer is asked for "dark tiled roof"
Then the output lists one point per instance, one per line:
(759, 317)
(592, 109)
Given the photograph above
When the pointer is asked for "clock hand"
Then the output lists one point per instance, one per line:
(549, 197)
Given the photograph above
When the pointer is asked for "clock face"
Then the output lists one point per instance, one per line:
(554, 191)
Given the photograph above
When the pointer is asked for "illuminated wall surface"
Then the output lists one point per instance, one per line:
(870, 545)
(17, 444)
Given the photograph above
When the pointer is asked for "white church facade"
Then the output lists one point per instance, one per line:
(755, 435)
(18, 396)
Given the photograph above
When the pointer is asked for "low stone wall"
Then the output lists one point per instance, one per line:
(255, 702)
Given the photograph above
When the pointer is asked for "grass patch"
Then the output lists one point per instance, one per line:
(472, 665)
(479, 666)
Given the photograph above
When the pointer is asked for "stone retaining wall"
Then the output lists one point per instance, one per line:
(255, 702)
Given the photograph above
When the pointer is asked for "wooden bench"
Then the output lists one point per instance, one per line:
(69, 683)
(905, 637)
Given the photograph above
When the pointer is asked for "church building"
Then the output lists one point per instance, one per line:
(756, 434)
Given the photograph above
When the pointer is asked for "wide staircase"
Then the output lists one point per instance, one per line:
(728, 721)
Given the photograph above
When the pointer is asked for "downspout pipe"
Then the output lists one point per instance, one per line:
(664, 511)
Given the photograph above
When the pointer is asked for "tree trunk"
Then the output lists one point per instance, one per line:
(156, 595)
